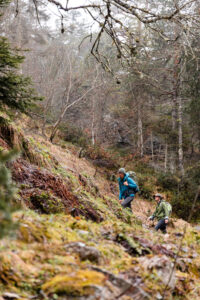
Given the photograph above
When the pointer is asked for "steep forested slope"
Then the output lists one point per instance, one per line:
(73, 240)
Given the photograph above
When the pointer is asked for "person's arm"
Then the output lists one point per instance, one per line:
(131, 183)
(154, 214)
(120, 193)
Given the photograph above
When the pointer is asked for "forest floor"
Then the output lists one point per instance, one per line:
(74, 241)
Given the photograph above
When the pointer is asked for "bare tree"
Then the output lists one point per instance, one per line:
(66, 98)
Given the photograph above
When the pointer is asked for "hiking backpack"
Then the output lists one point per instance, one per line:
(133, 176)
(169, 207)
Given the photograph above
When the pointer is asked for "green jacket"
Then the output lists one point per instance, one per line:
(161, 211)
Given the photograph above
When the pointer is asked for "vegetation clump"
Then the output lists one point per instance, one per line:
(76, 283)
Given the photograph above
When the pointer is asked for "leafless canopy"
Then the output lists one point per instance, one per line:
(112, 16)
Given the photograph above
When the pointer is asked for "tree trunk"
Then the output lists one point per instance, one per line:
(93, 121)
(152, 150)
(140, 131)
(166, 157)
(174, 110)
(180, 137)
(57, 123)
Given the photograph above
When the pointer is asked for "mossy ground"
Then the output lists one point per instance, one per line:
(36, 258)
(35, 262)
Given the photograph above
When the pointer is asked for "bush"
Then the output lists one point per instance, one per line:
(183, 191)
(167, 181)
(7, 193)
(75, 136)
(101, 157)
(146, 187)
(182, 204)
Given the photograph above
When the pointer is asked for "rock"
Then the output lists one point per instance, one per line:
(178, 234)
(159, 296)
(194, 255)
(197, 227)
(125, 287)
(84, 252)
(185, 249)
(76, 283)
(163, 267)
(83, 232)
(8, 295)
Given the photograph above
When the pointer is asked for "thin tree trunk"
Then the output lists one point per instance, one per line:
(140, 132)
(140, 124)
(180, 137)
(93, 120)
(57, 123)
(152, 150)
(166, 157)
(176, 83)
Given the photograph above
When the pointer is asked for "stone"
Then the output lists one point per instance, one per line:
(8, 295)
(163, 267)
(85, 252)
(197, 227)
(83, 232)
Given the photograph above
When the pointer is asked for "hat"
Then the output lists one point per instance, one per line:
(158, 195)
(122, 170)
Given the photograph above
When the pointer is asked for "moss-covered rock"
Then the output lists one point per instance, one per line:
(75, 283)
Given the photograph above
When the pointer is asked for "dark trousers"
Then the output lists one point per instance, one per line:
(127, 201)
(161, 226)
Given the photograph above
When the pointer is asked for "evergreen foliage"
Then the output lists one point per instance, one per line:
(7, 192)
(15, 89)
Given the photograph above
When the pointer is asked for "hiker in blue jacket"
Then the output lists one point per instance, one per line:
(127, 188)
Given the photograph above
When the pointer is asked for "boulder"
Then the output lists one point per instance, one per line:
(85, 252)
(163, 267)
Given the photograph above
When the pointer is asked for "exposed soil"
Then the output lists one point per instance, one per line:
(33, 180)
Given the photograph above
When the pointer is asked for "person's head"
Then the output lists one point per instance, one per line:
(158, 197)
(122, 173)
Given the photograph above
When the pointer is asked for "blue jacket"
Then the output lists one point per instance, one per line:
(123, 188)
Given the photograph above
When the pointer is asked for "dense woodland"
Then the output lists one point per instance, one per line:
(87, 87)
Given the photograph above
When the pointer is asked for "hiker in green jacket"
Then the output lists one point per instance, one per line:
(161, 213)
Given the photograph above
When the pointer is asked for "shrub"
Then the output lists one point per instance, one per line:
(167, 181)
(75, 136)
(183, 191)
(7, 193)
(146, 187)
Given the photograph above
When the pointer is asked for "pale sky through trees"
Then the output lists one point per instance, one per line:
(55, 15)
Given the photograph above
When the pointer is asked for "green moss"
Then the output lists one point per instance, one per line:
(78, 283)
(47, 203)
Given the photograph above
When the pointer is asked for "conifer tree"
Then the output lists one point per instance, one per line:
(15, 89)
(15, 93)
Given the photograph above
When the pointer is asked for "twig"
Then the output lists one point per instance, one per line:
(194, 203)
(17, 9)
